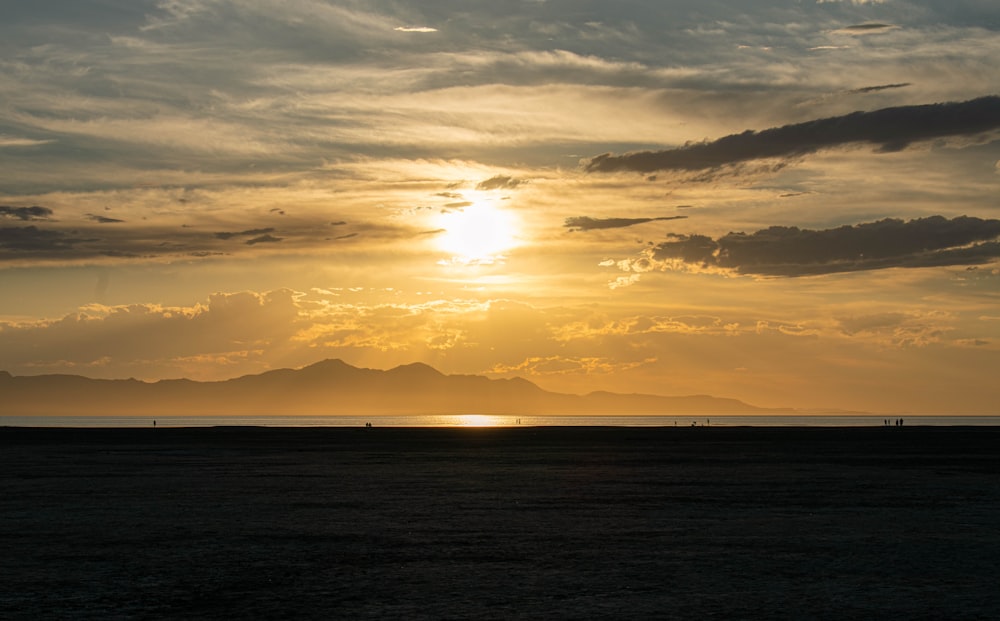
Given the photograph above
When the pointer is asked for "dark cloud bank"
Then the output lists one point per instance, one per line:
(25, 213)
(103, 219)
(248, 233)
(871, 27)
(791, 251)
(36, 240)
(586, 223)
(500, 182)
(257, 236)
(891, 129)
(877, 87)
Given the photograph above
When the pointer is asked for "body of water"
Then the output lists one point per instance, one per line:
(479, 420)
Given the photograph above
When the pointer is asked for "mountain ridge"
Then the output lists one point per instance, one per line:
(334, 387)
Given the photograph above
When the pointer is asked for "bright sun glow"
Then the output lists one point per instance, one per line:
(477, 234)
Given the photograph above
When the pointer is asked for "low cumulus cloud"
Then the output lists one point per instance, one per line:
(791, 251)
(228, 325)
(242, 332)
(7, 141)
(25, 213)
(586, 223)
(891, 129)
(898, 329)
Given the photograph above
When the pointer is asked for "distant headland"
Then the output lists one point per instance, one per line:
(333, 387)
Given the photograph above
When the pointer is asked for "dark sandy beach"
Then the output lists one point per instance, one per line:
(692, 523)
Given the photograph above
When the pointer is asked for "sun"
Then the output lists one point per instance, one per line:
(477, 233)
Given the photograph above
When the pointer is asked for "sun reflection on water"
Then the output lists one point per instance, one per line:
(481, 420)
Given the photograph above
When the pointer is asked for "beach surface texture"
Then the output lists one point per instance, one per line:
(500, 523)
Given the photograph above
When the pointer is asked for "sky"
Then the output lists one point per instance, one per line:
(794, 203)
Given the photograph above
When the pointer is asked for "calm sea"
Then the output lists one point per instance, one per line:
(475, 420)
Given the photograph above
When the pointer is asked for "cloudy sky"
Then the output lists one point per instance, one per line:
(789, 202)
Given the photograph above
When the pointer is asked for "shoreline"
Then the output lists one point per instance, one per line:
(512, 522)
(719, 442)
(483, 420)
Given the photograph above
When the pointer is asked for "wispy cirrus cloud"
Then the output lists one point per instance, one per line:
(423, 29)
(9, 141)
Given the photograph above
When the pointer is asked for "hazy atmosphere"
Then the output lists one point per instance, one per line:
(794, 203)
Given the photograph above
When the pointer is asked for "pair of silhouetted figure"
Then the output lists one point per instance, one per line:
(368, 425)
(898, 422)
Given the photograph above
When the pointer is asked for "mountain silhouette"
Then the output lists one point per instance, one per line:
(331, 387)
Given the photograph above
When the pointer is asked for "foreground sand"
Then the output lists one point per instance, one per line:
(500, 523)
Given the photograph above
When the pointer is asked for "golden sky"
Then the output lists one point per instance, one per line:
(791, 203)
